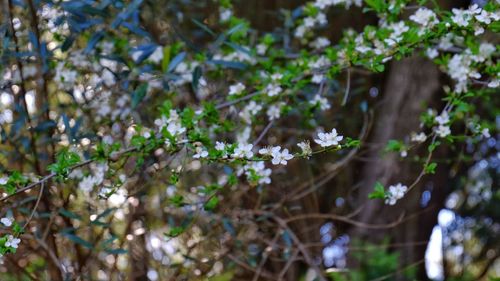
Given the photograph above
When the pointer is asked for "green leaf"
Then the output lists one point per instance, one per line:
(65, 159)
(394, 145)
(166, 58)
(204, 27)
(378, 193)
(69, 214)
(139, 94)
(430, 168)
(196, 77)
(175, 231)
(177, 200)
(433, 146)
(212, 203)
(78, 240)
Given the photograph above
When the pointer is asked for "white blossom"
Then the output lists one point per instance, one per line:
(494, 83)
(443, 118)
(260, 170)
(87, 183)
(276, 76)
(424, 17)
(200, 153)
(273, 90)
(243, 151)
(432, 53)
(157, 55)
(328, 139)
(268, 150)
(461, 17)
(320, 43)
(443, 131)
(220, 146)
(4, 180)
(7, 221)
(12, 242)
(273, 112)
(419, 138)
(306, 148)
(395, 193)
(317, 78)
(225, 14)
(280, 157)
(236, 89)
(485, 133)
(250, 110)
(321, 101)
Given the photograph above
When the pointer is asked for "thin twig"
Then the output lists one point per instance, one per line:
(347, 87)
(263, 133)
(264, 274)
(40, 194)
(229, 103)
(265, 255)
(287, 265)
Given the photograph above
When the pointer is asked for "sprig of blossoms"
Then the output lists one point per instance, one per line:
(278, 156)
(395, 193)
(328, 139)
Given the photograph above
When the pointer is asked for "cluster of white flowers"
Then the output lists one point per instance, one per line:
(97, 176)
(443, 128)
(398, 29)
(418, 138)
(65, 76)
(101, 104)
(317, 66)
(323, 4)
(185, 73)
(460, 66)
(225, 14)
(243, 54)
(464, 18)
(395, 193)
(320, 43)
(328, 139)
(201, 152)
(319, 19)
(274, 111)
(309, 23)
(172, 124)
(243, 150)
(236, 89)
(259, 169)
(261, 49)
(425, 17)
(321, 101)
(12, 242)
(273, 89)
(278, 156)
(251, 109)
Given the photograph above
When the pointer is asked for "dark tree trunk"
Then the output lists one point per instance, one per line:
(412, 84)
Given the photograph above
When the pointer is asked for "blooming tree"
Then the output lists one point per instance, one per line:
(118, 139)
